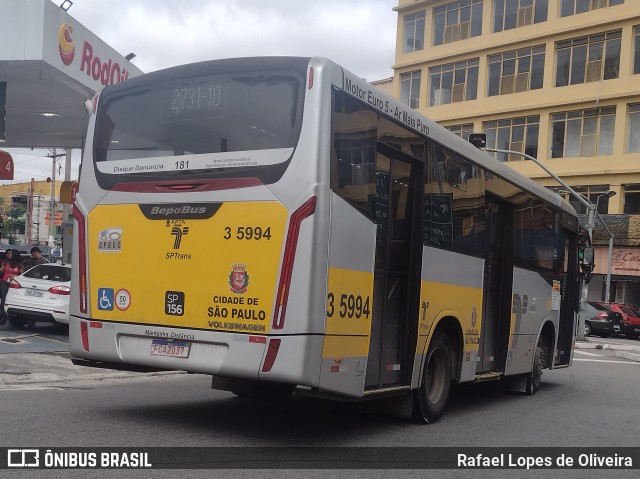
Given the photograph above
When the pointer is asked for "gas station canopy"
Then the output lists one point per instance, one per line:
(49, 65)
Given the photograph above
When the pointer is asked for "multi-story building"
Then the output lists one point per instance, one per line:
(15, 197)
(555, 79)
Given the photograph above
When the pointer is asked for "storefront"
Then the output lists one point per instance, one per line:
(625, 275)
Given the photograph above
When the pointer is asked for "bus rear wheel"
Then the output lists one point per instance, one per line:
(534, 377)
(430, 400)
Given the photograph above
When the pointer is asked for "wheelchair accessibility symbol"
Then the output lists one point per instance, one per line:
(105, 299)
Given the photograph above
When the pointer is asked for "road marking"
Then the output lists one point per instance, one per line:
(18, 336)
(586, 353)
(28, 387)
(606, 361)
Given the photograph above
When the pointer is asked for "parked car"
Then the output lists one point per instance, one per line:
(601, 319)
(40, 294)
(630, 320)
(632, 330)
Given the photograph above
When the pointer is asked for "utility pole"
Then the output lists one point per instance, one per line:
(607, 294)
(66, 228)
(39, 216)
(52, 204)
(30, 213)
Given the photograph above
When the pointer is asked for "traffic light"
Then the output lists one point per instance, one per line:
(479, 140)
(585, 251)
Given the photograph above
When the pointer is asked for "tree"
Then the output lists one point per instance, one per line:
(14, 224)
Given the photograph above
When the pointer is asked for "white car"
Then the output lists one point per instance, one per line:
(40, 294)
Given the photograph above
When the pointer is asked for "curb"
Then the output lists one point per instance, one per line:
(612, 347)
(18, 370)
(623, 351)
(628, 355)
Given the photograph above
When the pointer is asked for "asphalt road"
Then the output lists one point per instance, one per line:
(35, 338)
(48, 402)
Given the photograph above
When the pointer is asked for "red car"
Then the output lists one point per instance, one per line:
(630, 319)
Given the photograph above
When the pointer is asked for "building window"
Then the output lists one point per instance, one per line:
(509, 14)
(453, 82)
(583, 132)
(591, 192)
(414, 32)
(588, 59)
(636, 50)
(633, 129)
(631, 199)
(410, 88)
(573, 7)
(515, 134)
(461, 130)
(516, 71)
(457, 21)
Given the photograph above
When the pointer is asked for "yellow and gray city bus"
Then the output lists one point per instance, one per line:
(278, 223)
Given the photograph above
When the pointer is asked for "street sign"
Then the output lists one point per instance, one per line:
(6, 166)
(57, 219)
(68, 190)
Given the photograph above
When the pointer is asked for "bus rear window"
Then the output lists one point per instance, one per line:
(196, 119)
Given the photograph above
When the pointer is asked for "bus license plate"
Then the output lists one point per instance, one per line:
(34, 293)
(174, 349)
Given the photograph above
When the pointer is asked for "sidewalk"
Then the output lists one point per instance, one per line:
(625, 351)
(54, 370)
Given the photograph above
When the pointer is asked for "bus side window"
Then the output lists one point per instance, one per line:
(454, 204)
(353, 153)
(537, 238)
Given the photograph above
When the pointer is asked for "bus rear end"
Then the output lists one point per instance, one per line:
(189, 228)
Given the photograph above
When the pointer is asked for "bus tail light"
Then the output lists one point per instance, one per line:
(272, 352)
(82, 257)
(84, 335)
(310, 78)
(306, 210)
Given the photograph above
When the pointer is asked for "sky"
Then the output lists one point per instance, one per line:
(360, 35)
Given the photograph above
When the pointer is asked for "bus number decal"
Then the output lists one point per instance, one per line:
(248, 233)
(350, 306)
(182, 165)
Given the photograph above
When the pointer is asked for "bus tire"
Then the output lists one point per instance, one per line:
(430, 399)
(533, 378)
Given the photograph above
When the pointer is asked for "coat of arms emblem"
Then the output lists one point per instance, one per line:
(239, 278)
